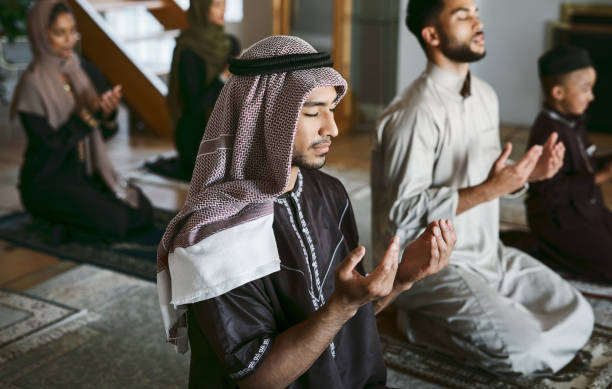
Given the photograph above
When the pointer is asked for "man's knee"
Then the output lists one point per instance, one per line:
(494, 340)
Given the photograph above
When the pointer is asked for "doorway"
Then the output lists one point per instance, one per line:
(331, 33)
(362, 37)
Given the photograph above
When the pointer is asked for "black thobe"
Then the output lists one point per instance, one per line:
(198, 100)
(54, 185)
(567, 212)
(230, 335)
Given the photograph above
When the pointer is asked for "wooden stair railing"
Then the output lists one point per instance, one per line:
(143, 91)
(171, 16)
(102, 6)
(167, 12)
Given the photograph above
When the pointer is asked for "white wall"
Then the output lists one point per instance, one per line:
(411, 59)
(516, 35)
(256, 23)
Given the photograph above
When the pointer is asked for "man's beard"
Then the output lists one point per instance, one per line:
(300, 161)
(459, 52)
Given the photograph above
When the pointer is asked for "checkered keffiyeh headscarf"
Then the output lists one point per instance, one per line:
(243, 164)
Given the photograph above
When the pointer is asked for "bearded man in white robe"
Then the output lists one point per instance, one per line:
(438, 155)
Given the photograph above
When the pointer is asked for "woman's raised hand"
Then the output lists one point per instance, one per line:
(109, 100)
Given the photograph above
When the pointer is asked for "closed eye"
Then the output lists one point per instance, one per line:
(463, 15)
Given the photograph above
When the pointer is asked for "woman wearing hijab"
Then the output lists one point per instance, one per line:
(67, 177)
(199, 68)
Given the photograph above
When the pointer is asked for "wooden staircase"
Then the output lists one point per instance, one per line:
(131, 41)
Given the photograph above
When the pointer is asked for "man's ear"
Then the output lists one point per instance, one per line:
(558, 92)
(430, 36)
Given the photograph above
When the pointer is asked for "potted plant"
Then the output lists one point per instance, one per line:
(13, 15)
(14, 48)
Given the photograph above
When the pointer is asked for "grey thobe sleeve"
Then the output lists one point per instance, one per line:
(412, 143)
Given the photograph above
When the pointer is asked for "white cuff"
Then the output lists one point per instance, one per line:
(519, 192)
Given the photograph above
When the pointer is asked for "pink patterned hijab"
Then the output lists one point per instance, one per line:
(222, 237)
(41, 90)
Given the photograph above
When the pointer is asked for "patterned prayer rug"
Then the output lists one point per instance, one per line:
(121, 345)
(135, 256)
(28, 321)
(592, 367)
(596, 291)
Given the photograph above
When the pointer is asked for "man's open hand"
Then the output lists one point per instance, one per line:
(506, 178)
(353, 290)
(427, 254)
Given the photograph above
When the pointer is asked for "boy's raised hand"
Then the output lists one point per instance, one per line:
(605, 174)
(551, 160)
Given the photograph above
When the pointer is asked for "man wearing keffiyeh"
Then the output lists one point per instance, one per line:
(262, 263)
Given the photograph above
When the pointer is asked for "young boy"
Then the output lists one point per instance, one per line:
(567, 212)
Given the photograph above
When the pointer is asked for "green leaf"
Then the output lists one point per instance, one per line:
(13, 14)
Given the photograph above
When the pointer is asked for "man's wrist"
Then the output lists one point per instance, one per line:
(535, 178)
(339, 310)
(402, 282)
(401, 287)
(519, 192)
(488, 191)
